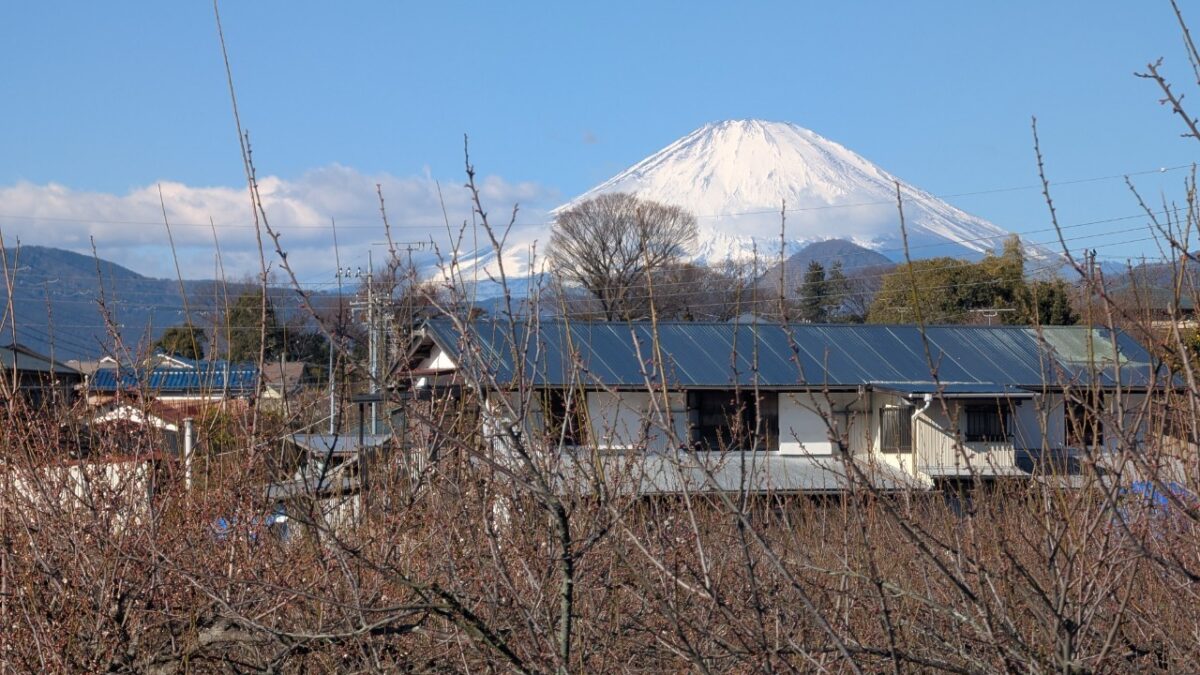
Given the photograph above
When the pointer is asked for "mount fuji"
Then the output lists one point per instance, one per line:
(736, 176)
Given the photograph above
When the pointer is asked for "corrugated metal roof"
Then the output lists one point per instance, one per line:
(205, 378)
(695, 355)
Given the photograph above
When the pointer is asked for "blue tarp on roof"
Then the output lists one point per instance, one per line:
(215, 377)
(696, 355)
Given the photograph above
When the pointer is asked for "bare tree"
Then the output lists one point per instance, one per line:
(609, 244)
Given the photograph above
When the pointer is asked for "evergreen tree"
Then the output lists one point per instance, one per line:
(185, 341)
(1005, 286)
(814, 294)
(837, 286)
(250, 333)
(1049, 304)
(940, 290)
(945, 290)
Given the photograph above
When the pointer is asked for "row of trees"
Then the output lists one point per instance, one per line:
(949, 290)
(617, 255)
(249, 329)
(629, 258)
(824, 294)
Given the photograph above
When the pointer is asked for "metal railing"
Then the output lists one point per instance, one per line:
(939, 451)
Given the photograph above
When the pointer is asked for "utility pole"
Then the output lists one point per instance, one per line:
(368, 277)
(343, 273)
(332, 389)
(377, 320)
(372, 336)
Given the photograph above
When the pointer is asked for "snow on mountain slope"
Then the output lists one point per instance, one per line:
(736, 175)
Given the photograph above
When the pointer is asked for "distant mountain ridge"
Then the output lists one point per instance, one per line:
(56, 302)
(57, 263)
(57, 294)
(830, 251)
(856, 261)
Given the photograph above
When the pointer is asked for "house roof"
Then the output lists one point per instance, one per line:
(286, 375)
(20, 357)
(697, 355)
(161, 414)
(206, 378)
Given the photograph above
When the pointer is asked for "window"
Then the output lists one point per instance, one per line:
(895, 430)
(559, 420)
(1176, 419)
(986, 423)
(1085, 428)
(725, 420)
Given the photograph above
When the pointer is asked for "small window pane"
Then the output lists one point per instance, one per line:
(986, 423)
(895, 426)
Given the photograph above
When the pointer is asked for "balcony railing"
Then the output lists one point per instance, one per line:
(940, 453)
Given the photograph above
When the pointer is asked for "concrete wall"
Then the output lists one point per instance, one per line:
(1134, 422)
(805, 421)
(1039, 423)
(624, 420)
(1042, 422)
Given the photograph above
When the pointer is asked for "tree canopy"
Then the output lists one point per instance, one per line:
(823, 294)
(612, 244)
(253, 329)
(949, 290)
(185, 341)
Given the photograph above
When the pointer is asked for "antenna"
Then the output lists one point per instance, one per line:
(992, 312)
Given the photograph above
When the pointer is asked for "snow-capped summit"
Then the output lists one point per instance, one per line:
(736, 175)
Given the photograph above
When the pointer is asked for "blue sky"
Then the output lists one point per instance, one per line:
(103, 101)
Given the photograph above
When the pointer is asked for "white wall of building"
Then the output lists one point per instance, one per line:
(1039, 423)
(1042, 422)
(805, 421)
(1134, 421)
(627, 419)
(120, 489)
(877, 401)
(437, 360)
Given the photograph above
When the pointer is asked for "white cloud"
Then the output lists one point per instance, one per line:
(128, 229)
